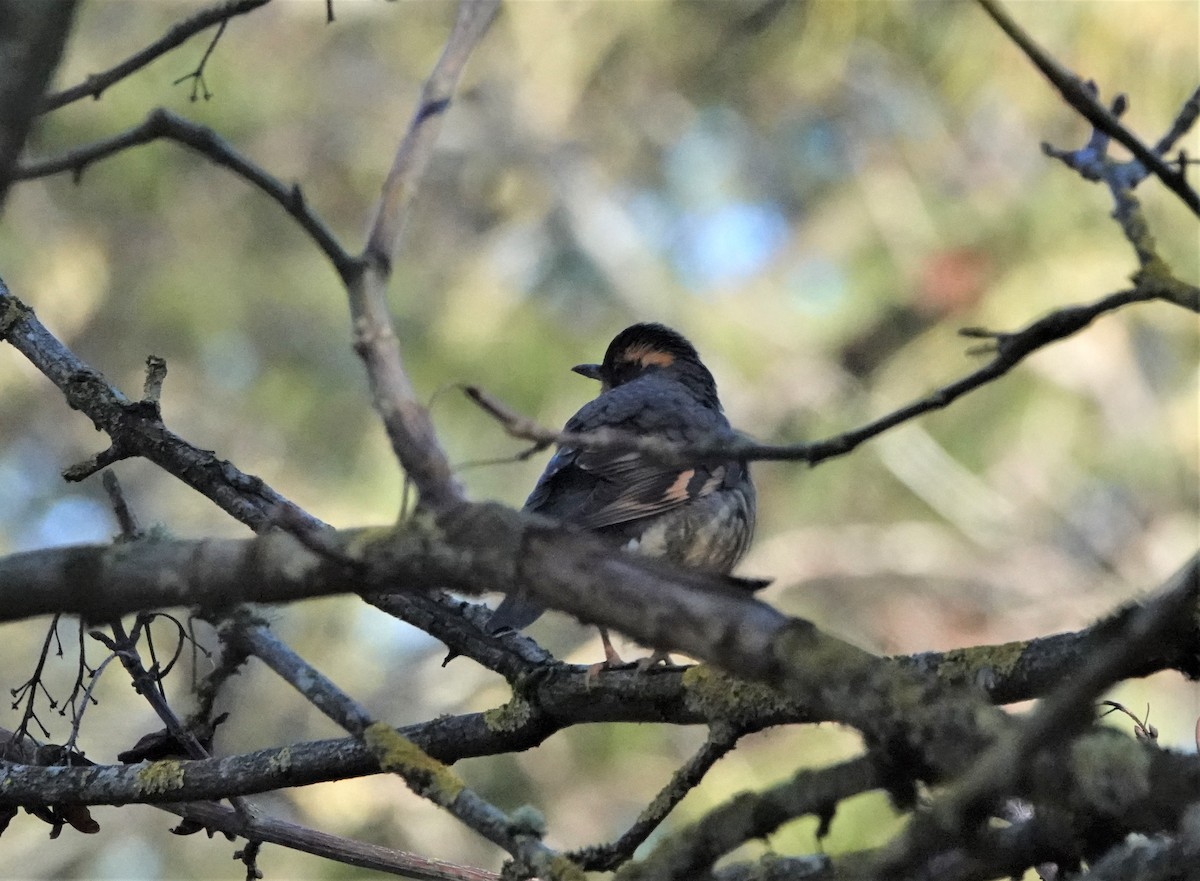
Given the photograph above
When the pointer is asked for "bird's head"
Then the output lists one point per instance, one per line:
(645, 348)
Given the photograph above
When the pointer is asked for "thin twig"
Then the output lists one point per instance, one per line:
(29, 689)
(322, 844)
(163, 123)
(689, 852)
(1009, 349)
(197, 75)
(1183, 123)
(1093, 163)
(722, 738)
(95, 84)
(87, 698)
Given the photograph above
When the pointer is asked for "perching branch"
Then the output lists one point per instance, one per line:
(667, 610)
(476, 734)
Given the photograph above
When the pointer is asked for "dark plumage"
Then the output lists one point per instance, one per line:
(701, 516)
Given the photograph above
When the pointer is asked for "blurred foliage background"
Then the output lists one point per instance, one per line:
(818, 194)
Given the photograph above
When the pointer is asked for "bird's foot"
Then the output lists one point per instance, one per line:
(659, 657)
(611, 659)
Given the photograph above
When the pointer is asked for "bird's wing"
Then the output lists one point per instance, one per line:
(628, 487)
(598, 488)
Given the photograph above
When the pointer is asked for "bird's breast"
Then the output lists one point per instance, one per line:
(711, 533)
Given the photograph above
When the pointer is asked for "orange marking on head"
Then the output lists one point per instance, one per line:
(648, 356)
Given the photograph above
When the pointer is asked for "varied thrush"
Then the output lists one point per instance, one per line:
(700, 516)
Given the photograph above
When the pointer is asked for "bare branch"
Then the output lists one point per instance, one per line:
(1009, 350)
(425, 775)
(1075, 92)
(216, 818)
(1093, 163)
(333, 847)
(689, 852)
(95, 84)
(1188, 114)
(162, 123)
(413, 155)
(317, 689)
(613, 697)
(406, 421)
(943, 727)
(197, 75)
(134, 427)
(722, 738)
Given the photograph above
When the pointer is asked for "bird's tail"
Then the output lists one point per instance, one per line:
(513, 614)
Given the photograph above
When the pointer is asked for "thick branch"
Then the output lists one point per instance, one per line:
(481, 545)
(31, 42)
(1069, 708)
(580, 574)
(559, 698)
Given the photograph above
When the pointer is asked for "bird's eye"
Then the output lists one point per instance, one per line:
(625, 371)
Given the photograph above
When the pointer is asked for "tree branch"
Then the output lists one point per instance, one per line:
(136, 427)
(31, 43)
(722, 738)
(399, 755)
(1076, 93)
(407, 423)
(689, 852)
(1093, 163)
(1009, 350)
(1068, 709)
(332, 847)
(95, 84)
(931, 729)
(163, 123)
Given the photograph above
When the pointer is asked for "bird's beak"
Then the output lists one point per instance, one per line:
(591, 371)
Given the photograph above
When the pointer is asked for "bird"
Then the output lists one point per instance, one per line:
(698, 516)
